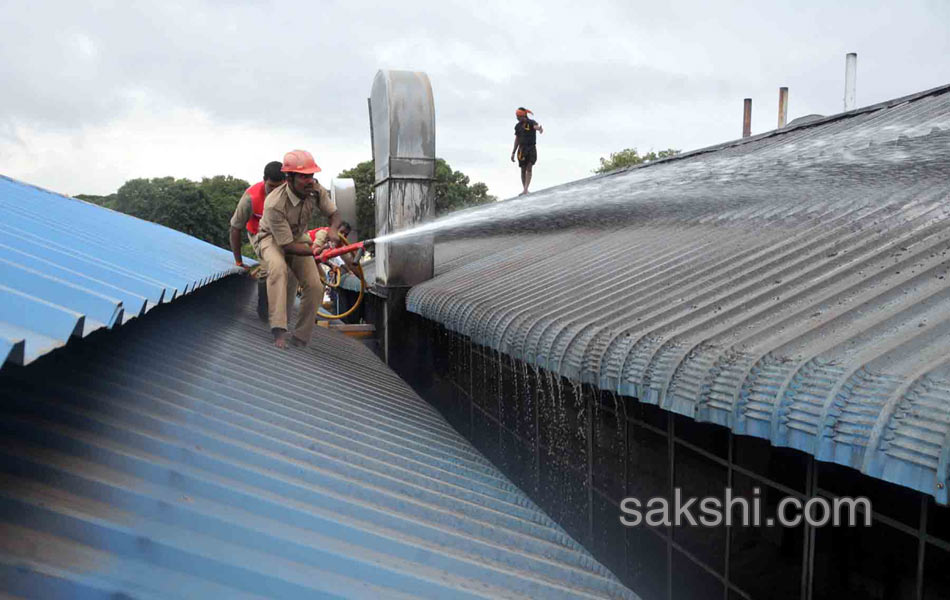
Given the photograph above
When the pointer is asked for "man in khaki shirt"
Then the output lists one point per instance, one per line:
(285, 246)
(247, 216)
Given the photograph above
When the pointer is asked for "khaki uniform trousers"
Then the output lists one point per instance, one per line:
(280, 268)
(262, 271)
(262, 274)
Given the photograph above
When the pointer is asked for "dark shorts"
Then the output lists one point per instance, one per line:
(527, 156)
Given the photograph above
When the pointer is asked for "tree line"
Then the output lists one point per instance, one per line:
(199, 208)
(453, 190)
(629, 157)
(203, 208)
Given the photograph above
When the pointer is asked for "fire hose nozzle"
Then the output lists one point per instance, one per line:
(367, 246)
(359, 248)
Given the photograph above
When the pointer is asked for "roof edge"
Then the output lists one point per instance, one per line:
(937, 91)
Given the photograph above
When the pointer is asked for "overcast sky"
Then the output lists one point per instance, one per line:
(96, 93)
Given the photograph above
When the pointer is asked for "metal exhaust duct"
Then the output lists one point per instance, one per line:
(402, 115)
(782, 107)
(850, 76)
(747, 117)
(343, 193)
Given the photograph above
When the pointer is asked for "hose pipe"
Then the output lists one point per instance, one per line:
(359, 300)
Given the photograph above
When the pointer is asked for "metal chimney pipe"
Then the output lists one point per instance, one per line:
(782, 107)
(747, 117)
(403, 126)
(402, 113)
(850, 75)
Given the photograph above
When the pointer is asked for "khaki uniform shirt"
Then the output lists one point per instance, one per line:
(286, 216)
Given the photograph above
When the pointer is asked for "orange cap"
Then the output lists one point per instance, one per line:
(299, 161)
(523, 112)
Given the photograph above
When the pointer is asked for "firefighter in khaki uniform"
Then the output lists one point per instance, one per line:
(247, 215)
(286, 247)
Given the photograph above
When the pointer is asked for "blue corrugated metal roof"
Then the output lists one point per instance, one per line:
(792, 287)
(68, 268)
(185, 456)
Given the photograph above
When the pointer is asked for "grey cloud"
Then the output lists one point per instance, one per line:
(665, 76)
(238, 64)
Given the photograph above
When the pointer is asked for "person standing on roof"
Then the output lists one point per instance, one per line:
(525, 145)
(247, 215)
(318, 236)
(318, 241)
(286, 248)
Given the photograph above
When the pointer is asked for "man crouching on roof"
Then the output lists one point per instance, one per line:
(286, 247)
(247, 215)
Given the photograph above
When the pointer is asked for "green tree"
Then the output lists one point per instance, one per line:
(630, 157)
(199, 209)
(175, 203)
(202, 209)
(453, 191)
(222, 192)
(106, 201)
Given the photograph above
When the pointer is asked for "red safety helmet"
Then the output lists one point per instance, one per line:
(299, 161)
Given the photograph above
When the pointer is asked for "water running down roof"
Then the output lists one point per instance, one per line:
(792, 286)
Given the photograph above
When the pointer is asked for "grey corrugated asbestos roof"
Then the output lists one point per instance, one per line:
(185, 456)
(792, 287)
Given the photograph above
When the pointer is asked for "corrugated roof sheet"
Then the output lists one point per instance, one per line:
(792, 287)
(68, 268)
(185, 456)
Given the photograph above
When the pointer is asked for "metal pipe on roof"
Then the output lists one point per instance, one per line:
(747, 117)
(782, 107)
(403, 125)
(850, 76)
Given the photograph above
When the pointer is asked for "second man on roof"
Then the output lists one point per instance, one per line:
(526, 145)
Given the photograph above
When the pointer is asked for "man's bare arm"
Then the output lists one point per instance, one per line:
(242, 212)
(236, 246)
(514, 149)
